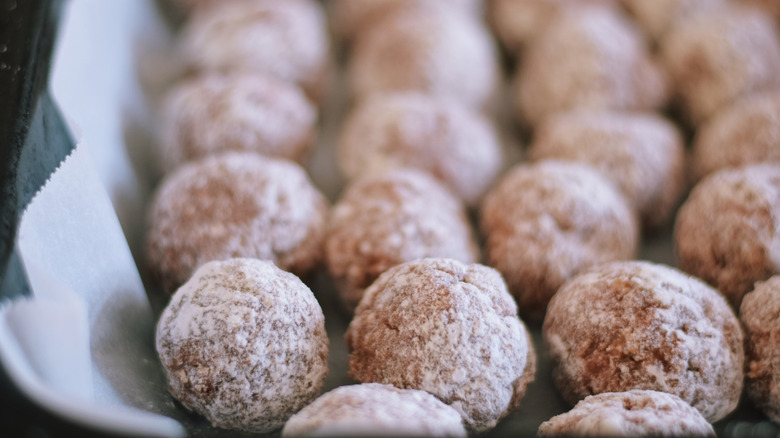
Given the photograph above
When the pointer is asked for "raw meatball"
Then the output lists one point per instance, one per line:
(720, 56)
(373, 409)
(439, 51)
(639, 325)
(447, 328)
(243, 343)
(759, 314)
(631, 413)
(545, 223)
(387, 219)
(745, 132)
(726, 233)
(286, 39)
(593, 59)
(452, 143)
(237, 204)
(641, 153)
(241, 112)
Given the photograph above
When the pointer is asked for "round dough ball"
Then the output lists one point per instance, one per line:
(641, 153)
(631, 413)
(373, 409)
(213, 113)
(387, 219)
(545, 223)
(243, 343)
(352, 17)
(745, 132)
(639, 325)
(447, 328)
(518, 22)
(236, 204)
(285, 39)
(658, 17)
(593, 59)
(423, 48)
(759, 315)
(454, 144)
(719, 56)
(727, 231)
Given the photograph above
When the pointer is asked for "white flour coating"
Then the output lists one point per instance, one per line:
(744, 132)
(760, 315)
(214, 113)
(719, 56)
(439, 51)
(243, 343)
(726, 232)
(373, 409)
(447, 328)
(641, 153)
(351, 17)
(286, 39)
(590, 59)
(518, 22)
(658, 17)
(639, 325)
(631, 413)
(454, 144)
(387, 219)
(237, 204)
(545, 223)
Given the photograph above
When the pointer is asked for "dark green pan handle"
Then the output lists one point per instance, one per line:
(33, 136)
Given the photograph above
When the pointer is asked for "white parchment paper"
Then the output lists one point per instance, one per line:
(82, 346)
(79, 345)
